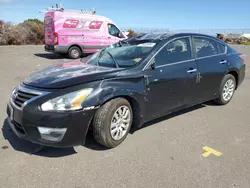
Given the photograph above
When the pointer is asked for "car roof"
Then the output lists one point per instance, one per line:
(156, 36)
(93, 16)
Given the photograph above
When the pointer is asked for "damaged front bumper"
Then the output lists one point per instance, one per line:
(49, 128)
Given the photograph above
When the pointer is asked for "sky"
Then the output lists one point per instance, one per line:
(176, 14)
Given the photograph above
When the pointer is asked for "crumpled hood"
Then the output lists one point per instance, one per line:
(66, 74)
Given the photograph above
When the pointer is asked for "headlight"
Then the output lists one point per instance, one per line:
(70, 101)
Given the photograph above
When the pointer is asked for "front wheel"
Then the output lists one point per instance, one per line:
(227, 89)
(112, 122)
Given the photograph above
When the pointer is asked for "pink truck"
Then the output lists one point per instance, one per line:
(78, 32)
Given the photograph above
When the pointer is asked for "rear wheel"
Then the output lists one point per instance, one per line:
(227, 89)
(112, 122)
(75, 52)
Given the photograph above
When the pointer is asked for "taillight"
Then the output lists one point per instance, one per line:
(243, 57)
(95, 25)
(55, 38)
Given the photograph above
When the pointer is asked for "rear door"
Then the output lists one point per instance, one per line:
(49, 28)
(212, 65)
(172, 84)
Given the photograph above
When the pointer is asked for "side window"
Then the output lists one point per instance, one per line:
(205, 47)
(107, 61)
(113, 30)
(175, 51)
(222, 48)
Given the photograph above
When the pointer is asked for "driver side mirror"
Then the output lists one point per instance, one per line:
(153, 64)
(120, 35)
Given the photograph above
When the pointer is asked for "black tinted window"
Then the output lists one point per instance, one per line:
(222, 48)
(175, 51)
(106, 61)
(205, 47)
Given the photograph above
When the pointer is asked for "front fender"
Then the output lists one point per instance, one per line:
(136, 96)
(135, 99)
(110, 93)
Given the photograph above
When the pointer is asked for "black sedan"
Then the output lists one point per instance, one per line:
(124, 85)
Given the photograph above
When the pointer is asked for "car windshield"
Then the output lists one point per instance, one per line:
(121, 55)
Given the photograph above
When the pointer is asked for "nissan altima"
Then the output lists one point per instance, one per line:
(123, 86)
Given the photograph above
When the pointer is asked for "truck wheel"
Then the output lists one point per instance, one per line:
(75, 52)
(227, 88)
(112, 122)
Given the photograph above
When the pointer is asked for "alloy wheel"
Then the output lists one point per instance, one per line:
(228, 90)
(120, 122)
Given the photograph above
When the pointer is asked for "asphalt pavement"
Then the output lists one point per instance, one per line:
(167, 152)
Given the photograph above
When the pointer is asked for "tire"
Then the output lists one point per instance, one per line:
(102, 122)
(222, 100)
(75, 52)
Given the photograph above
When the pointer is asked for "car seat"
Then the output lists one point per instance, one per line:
(178, 48)
(205, 51)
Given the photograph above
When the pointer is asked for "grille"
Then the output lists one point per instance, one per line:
(19, 97)
(18, 127)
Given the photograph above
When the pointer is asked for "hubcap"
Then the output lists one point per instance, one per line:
(120, 122)
(75, 53)
(228, 90)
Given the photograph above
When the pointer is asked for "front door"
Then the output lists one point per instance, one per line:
(113, 34)
(212, 65)
(172, 83)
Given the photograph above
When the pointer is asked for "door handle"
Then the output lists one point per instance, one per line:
(223, 62)
(191, 71)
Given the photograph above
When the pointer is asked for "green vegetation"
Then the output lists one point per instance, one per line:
(37, 21)
(245, 41)
(234, 39)
(31, 31)
(132, 33)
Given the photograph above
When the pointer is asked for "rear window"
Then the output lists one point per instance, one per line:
(48, 23)
(222, 48)
(205, 47)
